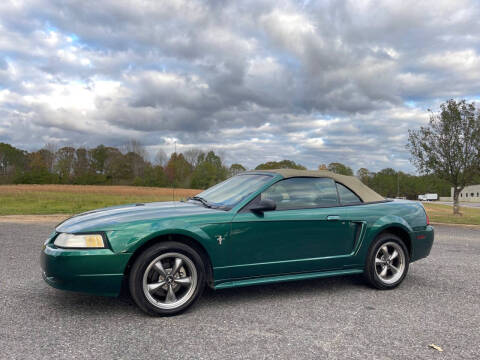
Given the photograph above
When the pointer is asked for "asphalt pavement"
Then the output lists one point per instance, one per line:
(336, 318)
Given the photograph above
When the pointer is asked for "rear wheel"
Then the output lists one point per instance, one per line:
(387, 262)
(167, 278)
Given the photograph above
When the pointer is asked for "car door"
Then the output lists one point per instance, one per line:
(307, 232)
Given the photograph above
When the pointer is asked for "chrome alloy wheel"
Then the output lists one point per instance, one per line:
(390, 262)
(170, 280)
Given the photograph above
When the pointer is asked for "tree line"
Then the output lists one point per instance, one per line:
(107, 165)
(194, 168)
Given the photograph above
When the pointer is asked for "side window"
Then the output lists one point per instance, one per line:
(302, 193)
(347, 196)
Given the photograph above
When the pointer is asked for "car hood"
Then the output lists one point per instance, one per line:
(112, 217)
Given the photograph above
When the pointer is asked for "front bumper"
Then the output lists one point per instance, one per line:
(96, 271)
(422, 243)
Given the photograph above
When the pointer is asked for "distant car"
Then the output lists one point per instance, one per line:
(258, 227)
(428, 197)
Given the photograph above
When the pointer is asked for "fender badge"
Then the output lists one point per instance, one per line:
(219, 239)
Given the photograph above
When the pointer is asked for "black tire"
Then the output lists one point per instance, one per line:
(372, 269)
(192, 264)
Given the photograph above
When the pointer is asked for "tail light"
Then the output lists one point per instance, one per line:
(428, 219)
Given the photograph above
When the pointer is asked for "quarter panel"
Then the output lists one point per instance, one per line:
(406, 215)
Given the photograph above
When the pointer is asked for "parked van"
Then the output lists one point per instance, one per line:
(428, 197)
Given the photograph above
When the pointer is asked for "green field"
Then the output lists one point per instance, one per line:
(73, 199)
(440, 213)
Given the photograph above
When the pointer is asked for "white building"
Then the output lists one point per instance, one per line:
(469, 194)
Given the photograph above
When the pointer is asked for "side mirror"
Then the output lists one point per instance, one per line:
(263, 205)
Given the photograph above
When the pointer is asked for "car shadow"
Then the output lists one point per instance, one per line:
(86, 305)
(285, 289)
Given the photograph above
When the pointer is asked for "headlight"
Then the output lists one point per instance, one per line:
(86, 241)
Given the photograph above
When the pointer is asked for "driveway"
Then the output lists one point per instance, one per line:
(438, 303)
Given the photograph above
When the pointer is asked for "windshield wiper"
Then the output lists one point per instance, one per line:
(202, 200)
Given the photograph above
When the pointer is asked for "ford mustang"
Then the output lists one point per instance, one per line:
(257, 227)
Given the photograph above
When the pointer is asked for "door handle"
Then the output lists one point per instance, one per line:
(333, 217)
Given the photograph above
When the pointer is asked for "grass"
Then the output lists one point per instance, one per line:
(72, 199)
(444, 214)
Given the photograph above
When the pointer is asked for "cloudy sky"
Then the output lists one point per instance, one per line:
(312, 81)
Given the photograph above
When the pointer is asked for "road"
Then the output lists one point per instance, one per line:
(338, 318)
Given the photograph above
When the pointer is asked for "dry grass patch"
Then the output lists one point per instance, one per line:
(97, 189)
(73, 199)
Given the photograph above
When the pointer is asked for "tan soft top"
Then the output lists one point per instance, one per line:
(359, 188)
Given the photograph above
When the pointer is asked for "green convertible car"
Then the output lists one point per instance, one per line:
(258, 227)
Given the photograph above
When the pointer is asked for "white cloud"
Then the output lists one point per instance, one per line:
(258, 80)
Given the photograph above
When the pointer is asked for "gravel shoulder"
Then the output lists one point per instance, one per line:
(325, 318)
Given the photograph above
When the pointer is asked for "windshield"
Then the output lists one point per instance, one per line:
(230, 192)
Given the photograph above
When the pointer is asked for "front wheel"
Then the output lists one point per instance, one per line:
(387, 262)
(167, 278)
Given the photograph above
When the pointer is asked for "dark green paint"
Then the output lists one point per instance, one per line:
(256, 248)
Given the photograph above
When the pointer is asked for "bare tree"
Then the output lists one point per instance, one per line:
(51, 150)
(449, 146)
(193, 156)
(136, 147)
(161, 158)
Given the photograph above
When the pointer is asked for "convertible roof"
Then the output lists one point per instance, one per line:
(365, 193)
